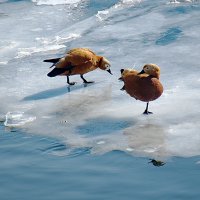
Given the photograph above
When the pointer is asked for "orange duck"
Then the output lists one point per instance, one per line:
(78, 61)
(144, 85)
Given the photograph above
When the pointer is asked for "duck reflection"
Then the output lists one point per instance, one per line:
(148, 140)
(156, 163)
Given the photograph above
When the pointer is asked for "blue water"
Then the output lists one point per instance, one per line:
(92, 141)
(29, 171)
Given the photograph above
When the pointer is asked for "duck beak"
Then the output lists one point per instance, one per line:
(142, 72)
(109, 71)
(122, 70)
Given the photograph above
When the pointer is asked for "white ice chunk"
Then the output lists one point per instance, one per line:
(101, 142)
(23, 52)
(129, 149)
(14, 119)
(55, 2)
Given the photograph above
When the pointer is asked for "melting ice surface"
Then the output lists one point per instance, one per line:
(101, 117)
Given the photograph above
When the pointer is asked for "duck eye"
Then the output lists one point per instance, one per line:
(107, 66)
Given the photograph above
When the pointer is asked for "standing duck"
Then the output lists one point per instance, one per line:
(78, 61)
(144, 85)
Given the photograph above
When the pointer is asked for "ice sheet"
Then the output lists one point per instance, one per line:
(100, 117)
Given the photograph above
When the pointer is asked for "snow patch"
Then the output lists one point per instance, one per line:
(15, 119)
(55, 2)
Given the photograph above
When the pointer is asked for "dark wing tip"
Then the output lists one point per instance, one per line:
(53, 60)
(56, 71)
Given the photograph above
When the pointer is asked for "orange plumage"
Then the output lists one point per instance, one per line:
(145, 85)
(78, 61)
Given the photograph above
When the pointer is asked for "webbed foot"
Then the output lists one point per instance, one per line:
(85, 81)
(70, 83)
(147, 112)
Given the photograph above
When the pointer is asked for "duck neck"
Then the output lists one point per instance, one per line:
(100, 59)
(156, 75)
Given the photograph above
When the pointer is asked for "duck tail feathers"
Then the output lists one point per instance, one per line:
(53, 60)
(56, 71)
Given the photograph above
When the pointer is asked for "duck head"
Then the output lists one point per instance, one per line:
(104, 64)
(151, 69)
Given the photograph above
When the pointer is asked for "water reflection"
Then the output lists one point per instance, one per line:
(156, 163)
(147, 140)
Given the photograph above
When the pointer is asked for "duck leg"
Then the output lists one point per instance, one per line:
(70, 83)
(146, 112)
(85, 81)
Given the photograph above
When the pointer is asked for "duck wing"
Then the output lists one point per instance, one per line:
(73, 60)
(57, 70)
(80, 56)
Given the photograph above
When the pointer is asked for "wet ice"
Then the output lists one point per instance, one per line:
(100, 117)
